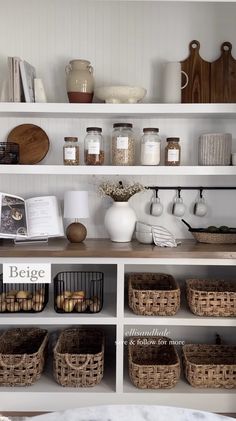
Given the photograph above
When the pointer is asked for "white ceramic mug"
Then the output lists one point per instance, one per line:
(200, 207)
(172, 82)
(156, 208)
(178, 207)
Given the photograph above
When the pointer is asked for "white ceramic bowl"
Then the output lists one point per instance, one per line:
(144, 237)
(142, 227)
(120, 94)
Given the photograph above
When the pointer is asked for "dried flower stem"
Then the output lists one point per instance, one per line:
(120, 192)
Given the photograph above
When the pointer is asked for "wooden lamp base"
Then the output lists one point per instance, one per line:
(76, 232)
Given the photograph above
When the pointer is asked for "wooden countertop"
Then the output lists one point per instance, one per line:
(106, 249)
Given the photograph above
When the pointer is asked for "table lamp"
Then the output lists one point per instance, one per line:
(76, 207)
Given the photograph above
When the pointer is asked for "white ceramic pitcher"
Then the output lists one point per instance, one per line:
(172, 82)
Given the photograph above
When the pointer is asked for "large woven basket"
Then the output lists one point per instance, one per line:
(211, 297)
(214, 237)
(22, 356)
(79, 358)
(153, 363)
(210, 365)
(153, 294)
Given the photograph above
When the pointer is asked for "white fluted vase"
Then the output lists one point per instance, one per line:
(120, 222)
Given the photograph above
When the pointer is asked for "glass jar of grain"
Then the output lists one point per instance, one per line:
(71, 151)
(93, 146)
(172, 151)
(123, 144)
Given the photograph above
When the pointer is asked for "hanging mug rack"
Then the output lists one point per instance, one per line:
(200, 188)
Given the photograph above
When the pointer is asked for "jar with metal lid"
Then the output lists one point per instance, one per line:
(71, 151)
(123, 144)
(150, 147)
(94, 146)
(172, 151)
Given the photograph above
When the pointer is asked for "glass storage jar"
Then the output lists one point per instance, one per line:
(71, 151)
(172, 151)
(123, 144)
(94, 146)
(150, 147)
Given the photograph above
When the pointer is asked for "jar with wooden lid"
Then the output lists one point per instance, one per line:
(94, 146)
(71, 151)
(123, 144)
(172, 151)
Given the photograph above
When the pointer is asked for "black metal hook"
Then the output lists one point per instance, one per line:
(201, 190)
(179, 192)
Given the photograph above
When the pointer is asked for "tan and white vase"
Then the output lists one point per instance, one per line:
(80, 81)
(215, 149)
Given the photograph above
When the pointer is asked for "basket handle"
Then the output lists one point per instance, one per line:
(88, 359)
(12, 365)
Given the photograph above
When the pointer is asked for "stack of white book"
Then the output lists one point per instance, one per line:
(21, 77)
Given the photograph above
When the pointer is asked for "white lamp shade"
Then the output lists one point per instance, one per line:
(76, 204)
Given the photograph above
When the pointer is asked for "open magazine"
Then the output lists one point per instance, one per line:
(38, 217)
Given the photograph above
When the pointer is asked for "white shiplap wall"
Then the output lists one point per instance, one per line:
(127, 43)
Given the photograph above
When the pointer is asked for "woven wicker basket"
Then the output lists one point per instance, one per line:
(153, 363)
(210, 365)
(214, 237)
(22, 356)
(153, 294)
(211, 297)
(79, 358)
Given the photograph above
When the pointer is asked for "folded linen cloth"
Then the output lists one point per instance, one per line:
(163, 238)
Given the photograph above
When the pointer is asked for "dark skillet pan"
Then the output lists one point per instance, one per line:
(193, 229)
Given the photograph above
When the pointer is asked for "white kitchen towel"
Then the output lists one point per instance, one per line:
(163, 238)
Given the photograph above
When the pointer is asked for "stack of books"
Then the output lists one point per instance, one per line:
(21, 77)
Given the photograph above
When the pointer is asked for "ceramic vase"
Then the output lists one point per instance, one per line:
(120, 220)
(80, 81)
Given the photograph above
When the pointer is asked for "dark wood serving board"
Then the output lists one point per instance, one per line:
(198, 71)
(33, 142)
(223, 76)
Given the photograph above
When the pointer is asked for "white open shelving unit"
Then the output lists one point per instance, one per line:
(76, 33)
(100, 110)
(116, 387)
(46, 395)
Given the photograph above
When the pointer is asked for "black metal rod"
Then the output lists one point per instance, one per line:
(201, 188)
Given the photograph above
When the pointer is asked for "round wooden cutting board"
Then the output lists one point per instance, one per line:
(33, 143)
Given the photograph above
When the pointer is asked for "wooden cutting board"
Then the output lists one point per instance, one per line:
(33, 142)
(198, 71)
(223, 76)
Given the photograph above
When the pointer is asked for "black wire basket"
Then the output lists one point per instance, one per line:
(78, 292)
(23, 298)
(9, 153)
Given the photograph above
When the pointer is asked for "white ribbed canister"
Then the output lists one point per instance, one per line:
(215, 149)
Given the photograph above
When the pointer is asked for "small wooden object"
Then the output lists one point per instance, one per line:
(198, 71)
(33, 143)
(223, 76)
(76, 232)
